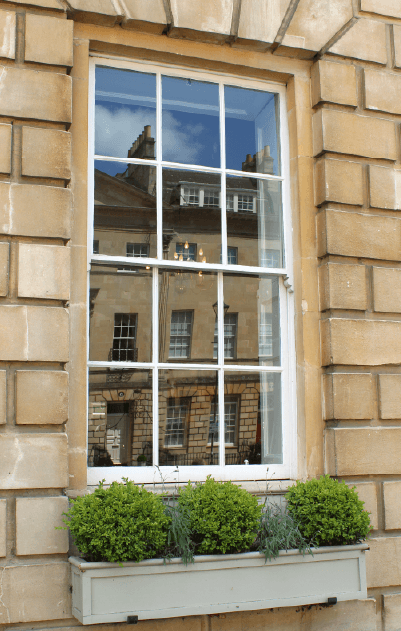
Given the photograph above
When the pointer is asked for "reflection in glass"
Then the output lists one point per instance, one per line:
(190, 122)
(191, 216)
(125, 113)
(188, 418)
(120, 306)
(125, 209)
(252, 320)
(252, 131)
(254, 221)
(120, 417)
(252, 418)
(187, 303)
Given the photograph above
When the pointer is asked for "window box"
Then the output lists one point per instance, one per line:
(107, 592)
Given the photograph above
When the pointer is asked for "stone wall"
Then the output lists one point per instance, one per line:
(341, 61)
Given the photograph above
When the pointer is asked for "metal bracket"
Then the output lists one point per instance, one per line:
(134, 619)
(288, 284)
(332, 601)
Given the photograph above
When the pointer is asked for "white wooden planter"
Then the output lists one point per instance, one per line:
(107, 592)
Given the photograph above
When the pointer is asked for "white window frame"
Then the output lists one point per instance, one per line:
(288, 469)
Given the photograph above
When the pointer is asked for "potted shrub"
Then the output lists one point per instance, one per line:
(214, 549)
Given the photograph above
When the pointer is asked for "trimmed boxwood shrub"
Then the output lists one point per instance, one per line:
(328, 512)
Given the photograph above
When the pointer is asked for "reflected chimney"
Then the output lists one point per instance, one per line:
(260, 162)
(143, 147)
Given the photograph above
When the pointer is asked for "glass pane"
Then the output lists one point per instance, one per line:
(252, 138)
(125, 113)
(191, 216)
(120, 418)
(252, 320)
(120, 306)
(190, 122)
(187, 304)
(254, 221)
(252, 417)
(125, 209)
(188, 419)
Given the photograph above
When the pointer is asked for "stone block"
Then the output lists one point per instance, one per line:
(357, 234)
(366, 40)
(35, 592)
(391, 8)
(37, 95)
(349, 396)
(397, 45)
(260, 21)
(360, 342)
(46, 153)
(100, 12)
(338, 181)
(382, 91)
(144, 15)
(392, 504)
(3, 396)
(387, 289)
(3, 529)
(4, 256)
(211, 17)
(41, 397)
(333, 83)
(363, 451)
(7, 34)
(390, 396)
(43, 271)
(367, 492)
(392, 612)
(5, 148)
(385, 188)
(36, 523)
(315, 23)
(48, 40)
(352, 134)
(342, 286)
(383, 562)
(35, 211)
(33, 461)
(33, 333)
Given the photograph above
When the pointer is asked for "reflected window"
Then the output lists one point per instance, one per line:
(232, 256)
(185, 251)
(210, 197)
(138, 249)
(180, 334)
(176, 418)
(270, 258)
(230, 422)
(190, 196)
(266, 335)
(96, 247)
(125, 325)
(230, 336)
(246, 203)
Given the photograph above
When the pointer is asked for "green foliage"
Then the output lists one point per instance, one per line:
(278, 531)
(328, 511)
(179, 536)
(223, 517)
(121, 523)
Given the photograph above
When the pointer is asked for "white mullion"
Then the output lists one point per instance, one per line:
(256, 175)
(143, 161)
(155, 433)
(223, 195)
(159, 172)
(220, 362)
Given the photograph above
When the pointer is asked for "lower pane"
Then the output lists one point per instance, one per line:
(188, 418)
(120, 418)
(252, 418)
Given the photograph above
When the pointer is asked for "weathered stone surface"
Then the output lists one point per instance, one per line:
(46, 4)
(4, 256)
(100, 12)
(3, 530)
(360, 342)
(357, 234)
(338, 181)
(385, 187)
(333, 83)
(146, 15)
(5, 148)
(48, 40)
(3, 396)
(33, 461)
(260, 21)
(208, 16)
(349, 396)
(43, 271)
(342, 286)
(392, 504)
(315, 23)
(392, 612)
(383, 562)
(387, 289)
(33, 333)
(367, 492)
(35, 592)
(365, 451)
(390, 396)
(49, 215)
(391, 8)
(7, 34)
(36, 523)
(382, 91)
(42, 397)
(342, 132)
(46, 153)
(366, 39)
(397, 45)
(33, 94)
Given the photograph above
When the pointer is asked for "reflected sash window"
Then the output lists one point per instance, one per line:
(138, 249)
(180, 334)
(230, 336)
(230, 423)
(125, 325)
(190, 196)
(175, 423)
(185, 251)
